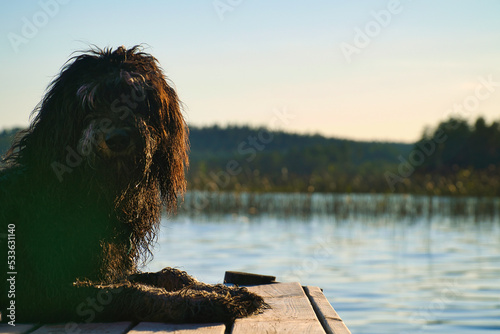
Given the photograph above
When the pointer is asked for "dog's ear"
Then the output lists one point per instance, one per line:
(56, 121)
(171, 158)
(163, 106)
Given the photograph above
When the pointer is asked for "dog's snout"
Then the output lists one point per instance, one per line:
(118, 140)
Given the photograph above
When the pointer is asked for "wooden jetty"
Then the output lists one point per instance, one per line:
(294, 309)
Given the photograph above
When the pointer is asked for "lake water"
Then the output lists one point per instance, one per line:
(388, 264)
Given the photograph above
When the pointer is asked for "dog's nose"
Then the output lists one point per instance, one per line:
(118, 140)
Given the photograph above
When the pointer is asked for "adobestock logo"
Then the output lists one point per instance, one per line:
(31, 27)
(248, 150)
(364, 36)
(416, 158)
(223, 6)
(424, 149)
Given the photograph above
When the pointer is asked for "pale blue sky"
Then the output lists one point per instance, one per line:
(242, 65)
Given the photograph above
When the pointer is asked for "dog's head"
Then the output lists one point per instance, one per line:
(111, 114)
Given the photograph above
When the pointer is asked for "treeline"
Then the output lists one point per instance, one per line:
(462, 146)
(455, 158)
(6, 138)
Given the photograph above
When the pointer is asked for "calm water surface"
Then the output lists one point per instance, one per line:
(384, 271)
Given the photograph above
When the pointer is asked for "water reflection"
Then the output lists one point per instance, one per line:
(388, 264)
(341, 206)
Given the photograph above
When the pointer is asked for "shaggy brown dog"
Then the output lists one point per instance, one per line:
(81, 194)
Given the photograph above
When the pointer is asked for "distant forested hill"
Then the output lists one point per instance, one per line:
(244, 158)
(238, 140)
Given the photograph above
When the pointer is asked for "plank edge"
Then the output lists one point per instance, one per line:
(340, 326)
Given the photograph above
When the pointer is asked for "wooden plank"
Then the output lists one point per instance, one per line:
(271, 327)
(290, 312)
(327, 315)
(90, 328)
(289, 308)
(160, 328)
(17, 329)
(287, 300)
(278, 290)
